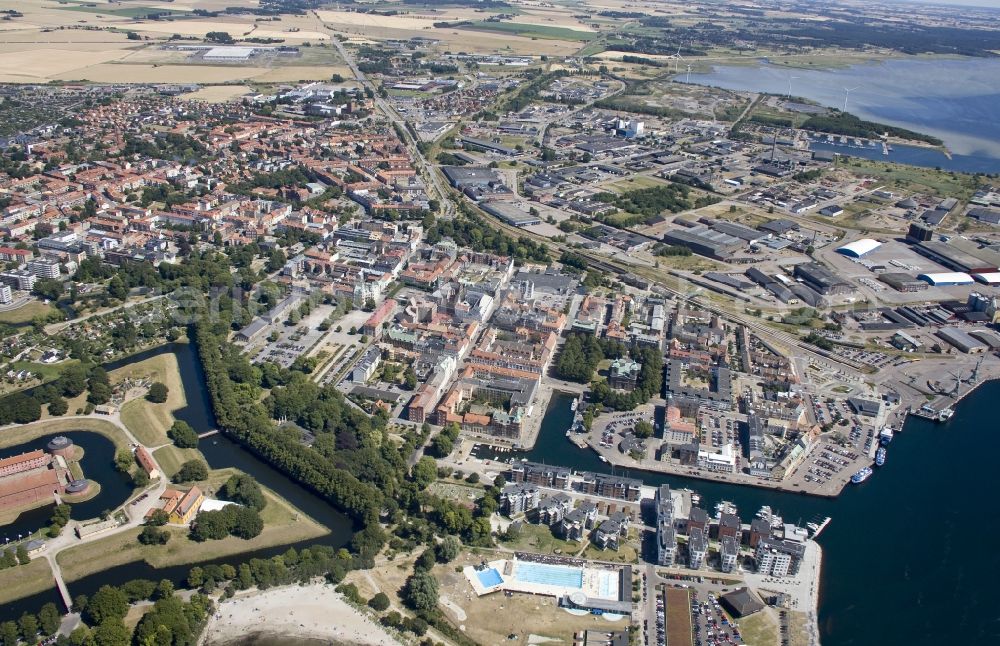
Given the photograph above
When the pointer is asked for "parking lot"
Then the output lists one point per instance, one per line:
(720, 430)
(293, 340)
(711, 624)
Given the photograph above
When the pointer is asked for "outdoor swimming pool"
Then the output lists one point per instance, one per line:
(489, 577)
(556, 575)
(607, 585)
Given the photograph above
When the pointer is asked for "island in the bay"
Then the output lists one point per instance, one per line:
(449, 323)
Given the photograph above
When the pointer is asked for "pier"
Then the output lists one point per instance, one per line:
(821, 527)
(941, 409)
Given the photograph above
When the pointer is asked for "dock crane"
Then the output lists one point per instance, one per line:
(958, 383)
(974, 377)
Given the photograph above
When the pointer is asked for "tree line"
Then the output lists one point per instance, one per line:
(844, 123)
(240, 415)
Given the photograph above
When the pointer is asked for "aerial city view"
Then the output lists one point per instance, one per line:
(499, 322)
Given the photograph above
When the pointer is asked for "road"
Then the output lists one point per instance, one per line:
(778, 337)
(398, 121)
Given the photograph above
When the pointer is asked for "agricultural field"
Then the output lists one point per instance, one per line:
(73, 41)
(531, 30)
(366, 27)
(218, 93)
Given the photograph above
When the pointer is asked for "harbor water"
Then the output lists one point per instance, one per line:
(907, 557)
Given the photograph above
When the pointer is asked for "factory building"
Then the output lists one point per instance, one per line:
(821, 279)
(947, 278)
(859, 248)
(704, 241)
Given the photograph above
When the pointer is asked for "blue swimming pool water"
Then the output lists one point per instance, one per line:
(607, 584)
(489, 577)
(558, 575)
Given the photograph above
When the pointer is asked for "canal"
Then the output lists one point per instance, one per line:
(219, 453)
(901, 564)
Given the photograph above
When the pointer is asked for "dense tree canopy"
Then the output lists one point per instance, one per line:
(157, 393)
(191, 471)
(244, 490)
(183, 435)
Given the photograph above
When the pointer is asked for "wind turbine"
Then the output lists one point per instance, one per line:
(676, 57)
(847, 94)
(689, 74)
(790, 77)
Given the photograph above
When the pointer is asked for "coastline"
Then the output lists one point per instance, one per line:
(313, 611)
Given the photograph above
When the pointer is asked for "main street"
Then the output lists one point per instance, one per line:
(390, 113)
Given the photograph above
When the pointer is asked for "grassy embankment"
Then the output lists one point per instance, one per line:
(25, 580)
(283, 524)
(27, 432)
(148, 421)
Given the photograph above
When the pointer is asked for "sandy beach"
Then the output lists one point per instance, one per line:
(312, 612)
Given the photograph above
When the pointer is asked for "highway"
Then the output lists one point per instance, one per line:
(390, 113)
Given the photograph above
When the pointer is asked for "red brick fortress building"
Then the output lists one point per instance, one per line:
(32, 477)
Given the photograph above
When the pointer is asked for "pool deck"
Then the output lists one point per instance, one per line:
(591, 586)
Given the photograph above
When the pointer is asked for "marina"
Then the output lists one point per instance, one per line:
(849, 614)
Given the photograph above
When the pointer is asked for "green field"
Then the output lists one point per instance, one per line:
(539, 539)
(25, 580)
(170, 458)
(48, 371)
(937, 182)
(594, 48)
(534, 31)
(634, 183)
(283, 524)
(758, 629)
(25, 313)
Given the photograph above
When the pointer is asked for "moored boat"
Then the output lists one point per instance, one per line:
(861, 475)
(880, 456)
